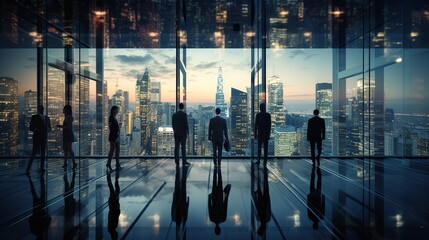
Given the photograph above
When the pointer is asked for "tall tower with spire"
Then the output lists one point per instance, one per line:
(220, 97)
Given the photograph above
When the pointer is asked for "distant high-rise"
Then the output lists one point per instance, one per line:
(165, 140)
(143, 96)
(220, 97)
(8, 116)
(155, 89)
(285, 143)
(275, 101)
(30, 108)
(239, 123)
(324, 104)
(54, 110)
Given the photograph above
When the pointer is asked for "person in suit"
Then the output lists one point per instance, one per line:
(181, 132)
(316, 199)
(217, 131)
(180, 204)
(114, 138)
(39, 220)
(316, 134)
(40, 125)
(114, 206)
(218, 201)
(68, 135)
(262, 131)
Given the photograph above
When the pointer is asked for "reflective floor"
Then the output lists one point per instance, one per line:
(154, 199)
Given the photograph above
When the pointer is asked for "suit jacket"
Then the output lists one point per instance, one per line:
(316, 129)
(217, 129)
(180, 123)
(262, 126)
(40, 127)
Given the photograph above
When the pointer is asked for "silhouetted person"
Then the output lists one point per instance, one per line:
(39, 220)
(181, 132)
(114, 206)
(316, 200)
(114, 139)
(180, 204)
(40, 125)
(217, 131)
(69, 206)
(218, 200)
(316, 134)
(262, 131)
(263, 201)
(68, 135)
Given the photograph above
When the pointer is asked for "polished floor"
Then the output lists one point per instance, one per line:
(155, 199)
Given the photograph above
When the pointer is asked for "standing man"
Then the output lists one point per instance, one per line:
(181, 132)
(217, 130)
(262, 131)
(40, 125)
(316, 134)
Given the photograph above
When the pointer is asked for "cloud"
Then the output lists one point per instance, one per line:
(136, 60)
(206, 65)
(300, 53)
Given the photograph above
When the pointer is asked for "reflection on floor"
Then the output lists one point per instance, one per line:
(155, 199)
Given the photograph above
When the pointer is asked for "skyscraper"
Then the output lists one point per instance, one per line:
(239, 123)
(324, 104)
(276, 102)
(220, 97)
(143, 96)
(8, 116)
(30, 108)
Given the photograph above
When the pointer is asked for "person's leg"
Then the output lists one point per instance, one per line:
(265, 151)
(219, 152)
(312, 146)
(183, 146)
(42, 156)
(33, 154)
(66, 152)
(176, 148)
(117, 151)
(319, 151)
(109, 157)
(214, 153)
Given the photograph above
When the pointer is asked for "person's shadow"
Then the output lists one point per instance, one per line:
(263, 200)
(180, 204)
(316, 199)
(218, 200)
(114, 206)
(69, 206)
(39, 220)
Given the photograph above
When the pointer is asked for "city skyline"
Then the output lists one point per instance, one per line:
(299, 70)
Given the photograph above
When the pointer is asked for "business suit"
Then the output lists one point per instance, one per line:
(218, 200)
(262, 133)
(181, 131)
(316, 134)
(40, 125)
(217, 131)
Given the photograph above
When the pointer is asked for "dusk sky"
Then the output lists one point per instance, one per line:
(298, 69)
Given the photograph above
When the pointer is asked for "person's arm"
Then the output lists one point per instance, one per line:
(49, 123)
(269, 124)
(31, 127)
(308, 130)
(226, 130)
(323, 129)
(186, 125)
(255, 130)
(210, 130)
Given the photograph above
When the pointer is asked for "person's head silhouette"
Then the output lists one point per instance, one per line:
(262, 107)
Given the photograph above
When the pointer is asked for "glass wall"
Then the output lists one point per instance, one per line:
(361, 63)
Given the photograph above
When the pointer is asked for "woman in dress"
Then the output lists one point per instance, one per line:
(68, 135)
(113, 138)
